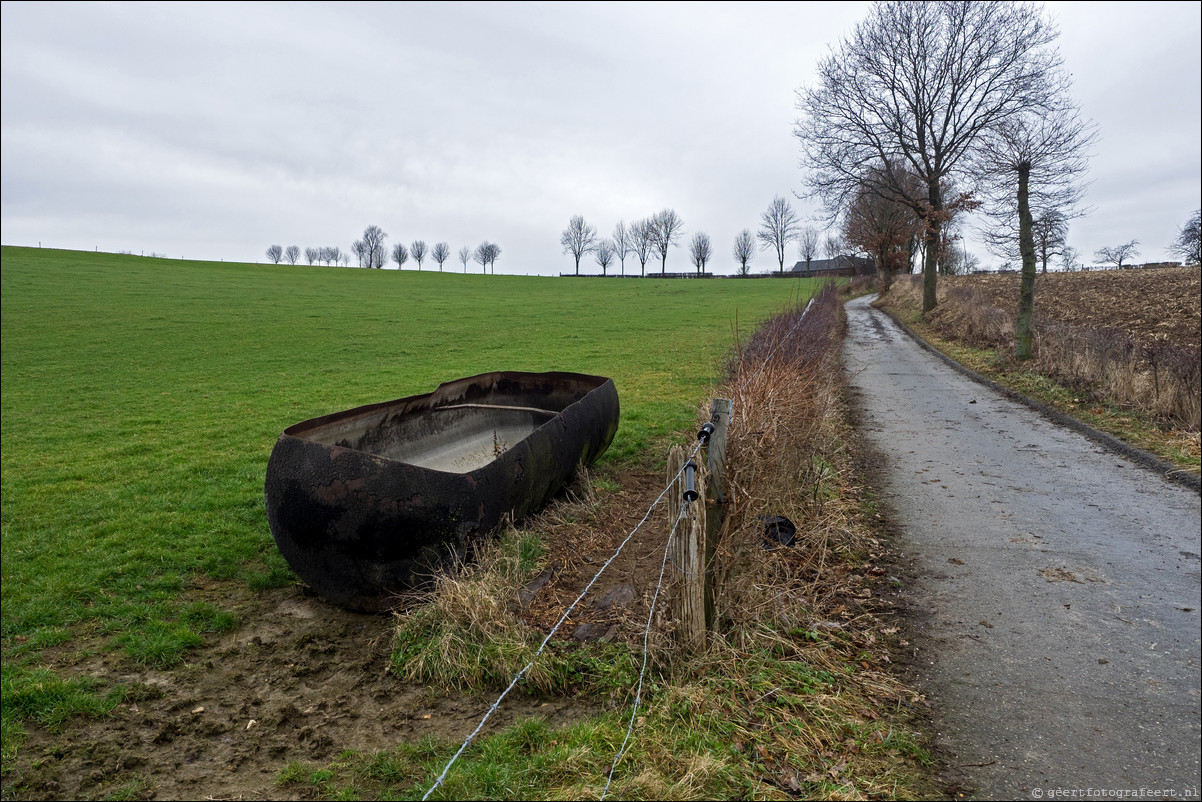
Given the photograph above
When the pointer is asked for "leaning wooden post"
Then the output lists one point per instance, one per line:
(716, 449)
(687, 551)
(716, 461)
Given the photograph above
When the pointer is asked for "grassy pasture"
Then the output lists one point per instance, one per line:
(141, 398)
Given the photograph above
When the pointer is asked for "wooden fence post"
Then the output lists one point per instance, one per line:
(716, 461)
(716, 450)
(688, 554)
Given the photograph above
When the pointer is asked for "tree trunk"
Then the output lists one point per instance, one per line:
(1026, 247)
(934, 229)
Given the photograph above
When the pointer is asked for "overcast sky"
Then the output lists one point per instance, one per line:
(212, 131)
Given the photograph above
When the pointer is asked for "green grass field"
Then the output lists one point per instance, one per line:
(141, 399)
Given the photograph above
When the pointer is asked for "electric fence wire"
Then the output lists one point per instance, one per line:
(559, 623)
(638, 696)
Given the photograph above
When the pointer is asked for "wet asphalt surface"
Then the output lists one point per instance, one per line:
(1054, 585)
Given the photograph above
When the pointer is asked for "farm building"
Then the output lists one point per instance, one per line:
(839, 266)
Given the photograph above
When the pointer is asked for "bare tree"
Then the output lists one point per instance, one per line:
(1117, 254)
(700, 251)
(417, 249)
(1034, 161)
(292, 253)
(916, 86)
(1050, 231)
(604, 254)
(744, 250)
(779, 225)
(579, 238)
(808, 244)
(440, 253)
(1069, 258)
(494, 250)
(481, 255)
(274, 254)
(642, 234)
(832, 246)
(400, 255)
(1189, 240)
(312, 255)
(465, 253)
(623, 243)
(377, 253)
(667, 227)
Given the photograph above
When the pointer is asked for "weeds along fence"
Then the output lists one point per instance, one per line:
(782, 387)
(1160, 378)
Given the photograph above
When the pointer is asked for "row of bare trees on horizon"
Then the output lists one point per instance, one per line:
(371, 252)
(655, 235)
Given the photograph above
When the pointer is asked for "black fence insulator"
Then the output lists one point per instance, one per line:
(706, 432)
(690, 481)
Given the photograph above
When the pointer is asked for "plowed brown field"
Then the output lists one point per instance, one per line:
(1149, 304)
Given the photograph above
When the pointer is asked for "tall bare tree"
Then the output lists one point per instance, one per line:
(832, 246)
(1050, 231)
(481, 255)
(440, 253)
(667, 227)
(914, 88)
(465, 254)
(808, 244)
(377, 253)
(700, 251)
(623, 243)
(331, 255)
(1117, 254)
(275, 253)
(779, 225)
(1070, 260)
(312, 255)
(1033, 164)
(400, 255)
(642, 234)
(579, 238)
(744, 250)
(417, 249)
(493, 251)
(604, 254)
(292, 253)
(1189, 240)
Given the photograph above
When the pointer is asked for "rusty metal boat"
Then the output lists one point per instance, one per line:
(366, 502)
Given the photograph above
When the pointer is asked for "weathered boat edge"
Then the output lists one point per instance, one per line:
(358, 528)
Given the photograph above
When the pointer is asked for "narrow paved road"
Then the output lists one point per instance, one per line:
(1057, 584)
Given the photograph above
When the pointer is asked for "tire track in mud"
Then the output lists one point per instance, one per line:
(1055, 585)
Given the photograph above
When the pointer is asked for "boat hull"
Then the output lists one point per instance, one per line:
(368, 502)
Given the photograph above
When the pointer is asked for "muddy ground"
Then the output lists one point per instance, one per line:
(302, 680)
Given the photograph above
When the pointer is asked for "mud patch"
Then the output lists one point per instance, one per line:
(299, 680)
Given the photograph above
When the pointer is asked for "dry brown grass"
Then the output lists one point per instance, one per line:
(800, 643)
(1147, 367)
